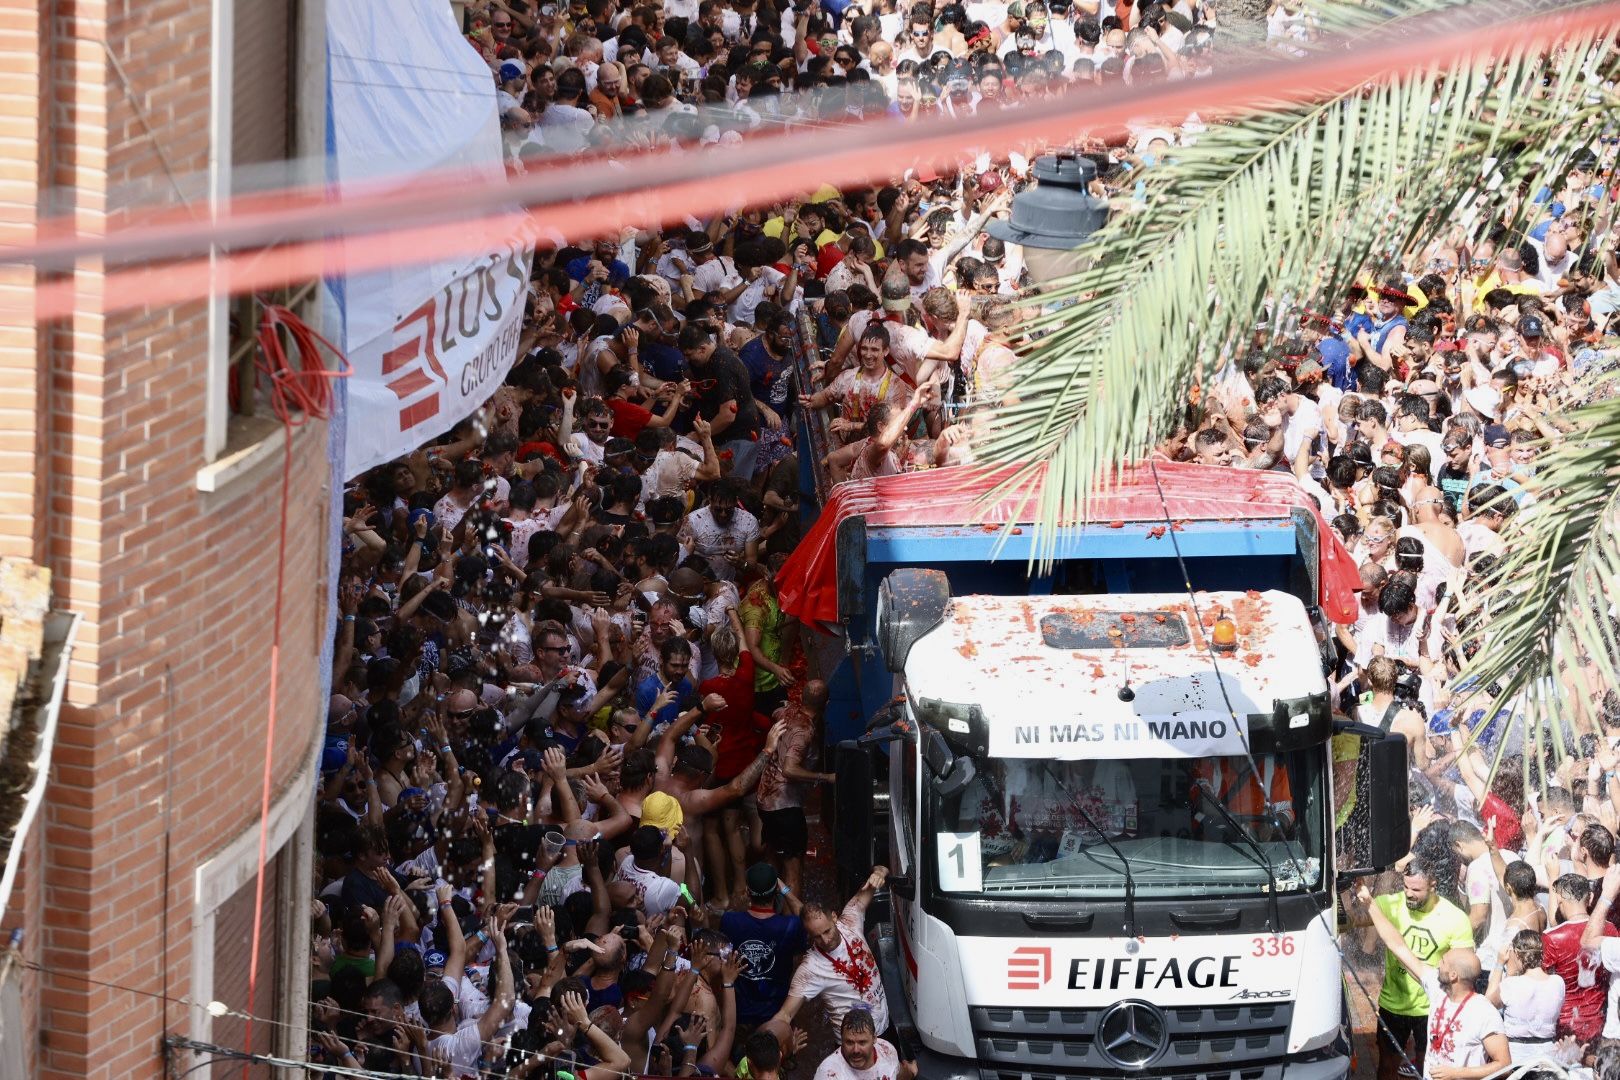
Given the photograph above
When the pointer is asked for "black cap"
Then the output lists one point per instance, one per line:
(761, 879)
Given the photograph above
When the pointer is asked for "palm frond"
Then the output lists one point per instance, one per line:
(1284, 205)
(1544, 624)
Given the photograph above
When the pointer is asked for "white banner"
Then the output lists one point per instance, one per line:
(428, 341)
(438, 363)
(1171, 735)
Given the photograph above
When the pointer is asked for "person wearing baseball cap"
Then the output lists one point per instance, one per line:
(770, 938)
(1484, 401)
(663, 813)
(514, 84)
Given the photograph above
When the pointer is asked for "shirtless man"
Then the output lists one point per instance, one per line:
(684, 770)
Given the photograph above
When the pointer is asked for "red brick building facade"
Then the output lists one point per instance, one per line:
(125, 474)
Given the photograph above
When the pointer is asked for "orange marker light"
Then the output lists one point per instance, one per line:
(1223, 635)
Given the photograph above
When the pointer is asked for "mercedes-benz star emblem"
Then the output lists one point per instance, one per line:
(1131, 1034)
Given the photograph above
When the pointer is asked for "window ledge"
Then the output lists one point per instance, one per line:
(251, 442)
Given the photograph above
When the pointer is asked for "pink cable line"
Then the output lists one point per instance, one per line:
(578, 199)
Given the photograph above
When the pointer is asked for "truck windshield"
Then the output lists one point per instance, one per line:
(1025, 826)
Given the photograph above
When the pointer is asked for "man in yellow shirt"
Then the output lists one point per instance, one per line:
(809, 220)
(1431, 926)
(1507, 273)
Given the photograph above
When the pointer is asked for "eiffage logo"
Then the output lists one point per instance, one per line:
(1029, 968)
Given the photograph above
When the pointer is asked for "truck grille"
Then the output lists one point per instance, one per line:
(1237, 1042)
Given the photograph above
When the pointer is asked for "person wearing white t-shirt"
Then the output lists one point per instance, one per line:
(861, 1055)
(762, 284)
(726, 535)
(1529, 996)
(1483, 884)
(641, 870)
(1466, 1039)
(838, 968)
(460, 1040)
(714, 273)
(917, 351)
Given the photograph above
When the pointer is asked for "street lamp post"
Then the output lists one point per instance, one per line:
(1052, 219)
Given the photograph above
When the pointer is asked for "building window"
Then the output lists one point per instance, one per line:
(233, 946)
(257, 93)
(222, 934)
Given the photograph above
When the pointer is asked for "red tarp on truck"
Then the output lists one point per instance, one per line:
(808, 585)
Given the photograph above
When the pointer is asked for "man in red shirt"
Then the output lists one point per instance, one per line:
(1586, 983)
(629, 417)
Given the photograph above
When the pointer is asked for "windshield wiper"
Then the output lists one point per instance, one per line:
(1124, 863)
(1260, 859)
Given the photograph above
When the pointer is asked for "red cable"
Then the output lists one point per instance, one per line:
(297, 395)
(576, 199)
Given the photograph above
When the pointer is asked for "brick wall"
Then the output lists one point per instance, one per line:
(101, 437)
(21, 377)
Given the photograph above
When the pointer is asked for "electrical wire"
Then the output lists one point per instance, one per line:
(298, 395)
(1248, 753)
(502, 1046)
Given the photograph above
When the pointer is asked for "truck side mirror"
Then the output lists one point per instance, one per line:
(911, 602)
(852, 810)
(1378, 833)
(952, 774)
(889, 724)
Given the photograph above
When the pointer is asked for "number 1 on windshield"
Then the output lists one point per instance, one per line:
(961, 865)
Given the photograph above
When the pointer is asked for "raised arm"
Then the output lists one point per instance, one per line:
(562, 797)
(720, 1046)
(671, 738)
(709, 469)
(1391, 937)
(505, 996)
(951, 347)
(702, 802)
(455, 946)
(1592, 936)
(591, 871)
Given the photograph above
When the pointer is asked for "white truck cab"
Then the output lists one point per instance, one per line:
(1111, 834)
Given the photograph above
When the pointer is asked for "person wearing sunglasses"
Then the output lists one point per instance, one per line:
(918, 42)
(595, 425)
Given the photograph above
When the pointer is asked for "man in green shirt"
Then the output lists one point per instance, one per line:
(1431, 926)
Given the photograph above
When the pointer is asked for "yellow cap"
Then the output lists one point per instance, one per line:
(662, 812)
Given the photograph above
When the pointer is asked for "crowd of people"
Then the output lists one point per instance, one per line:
(573, 769)
(593, 74)
(1414, 413)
